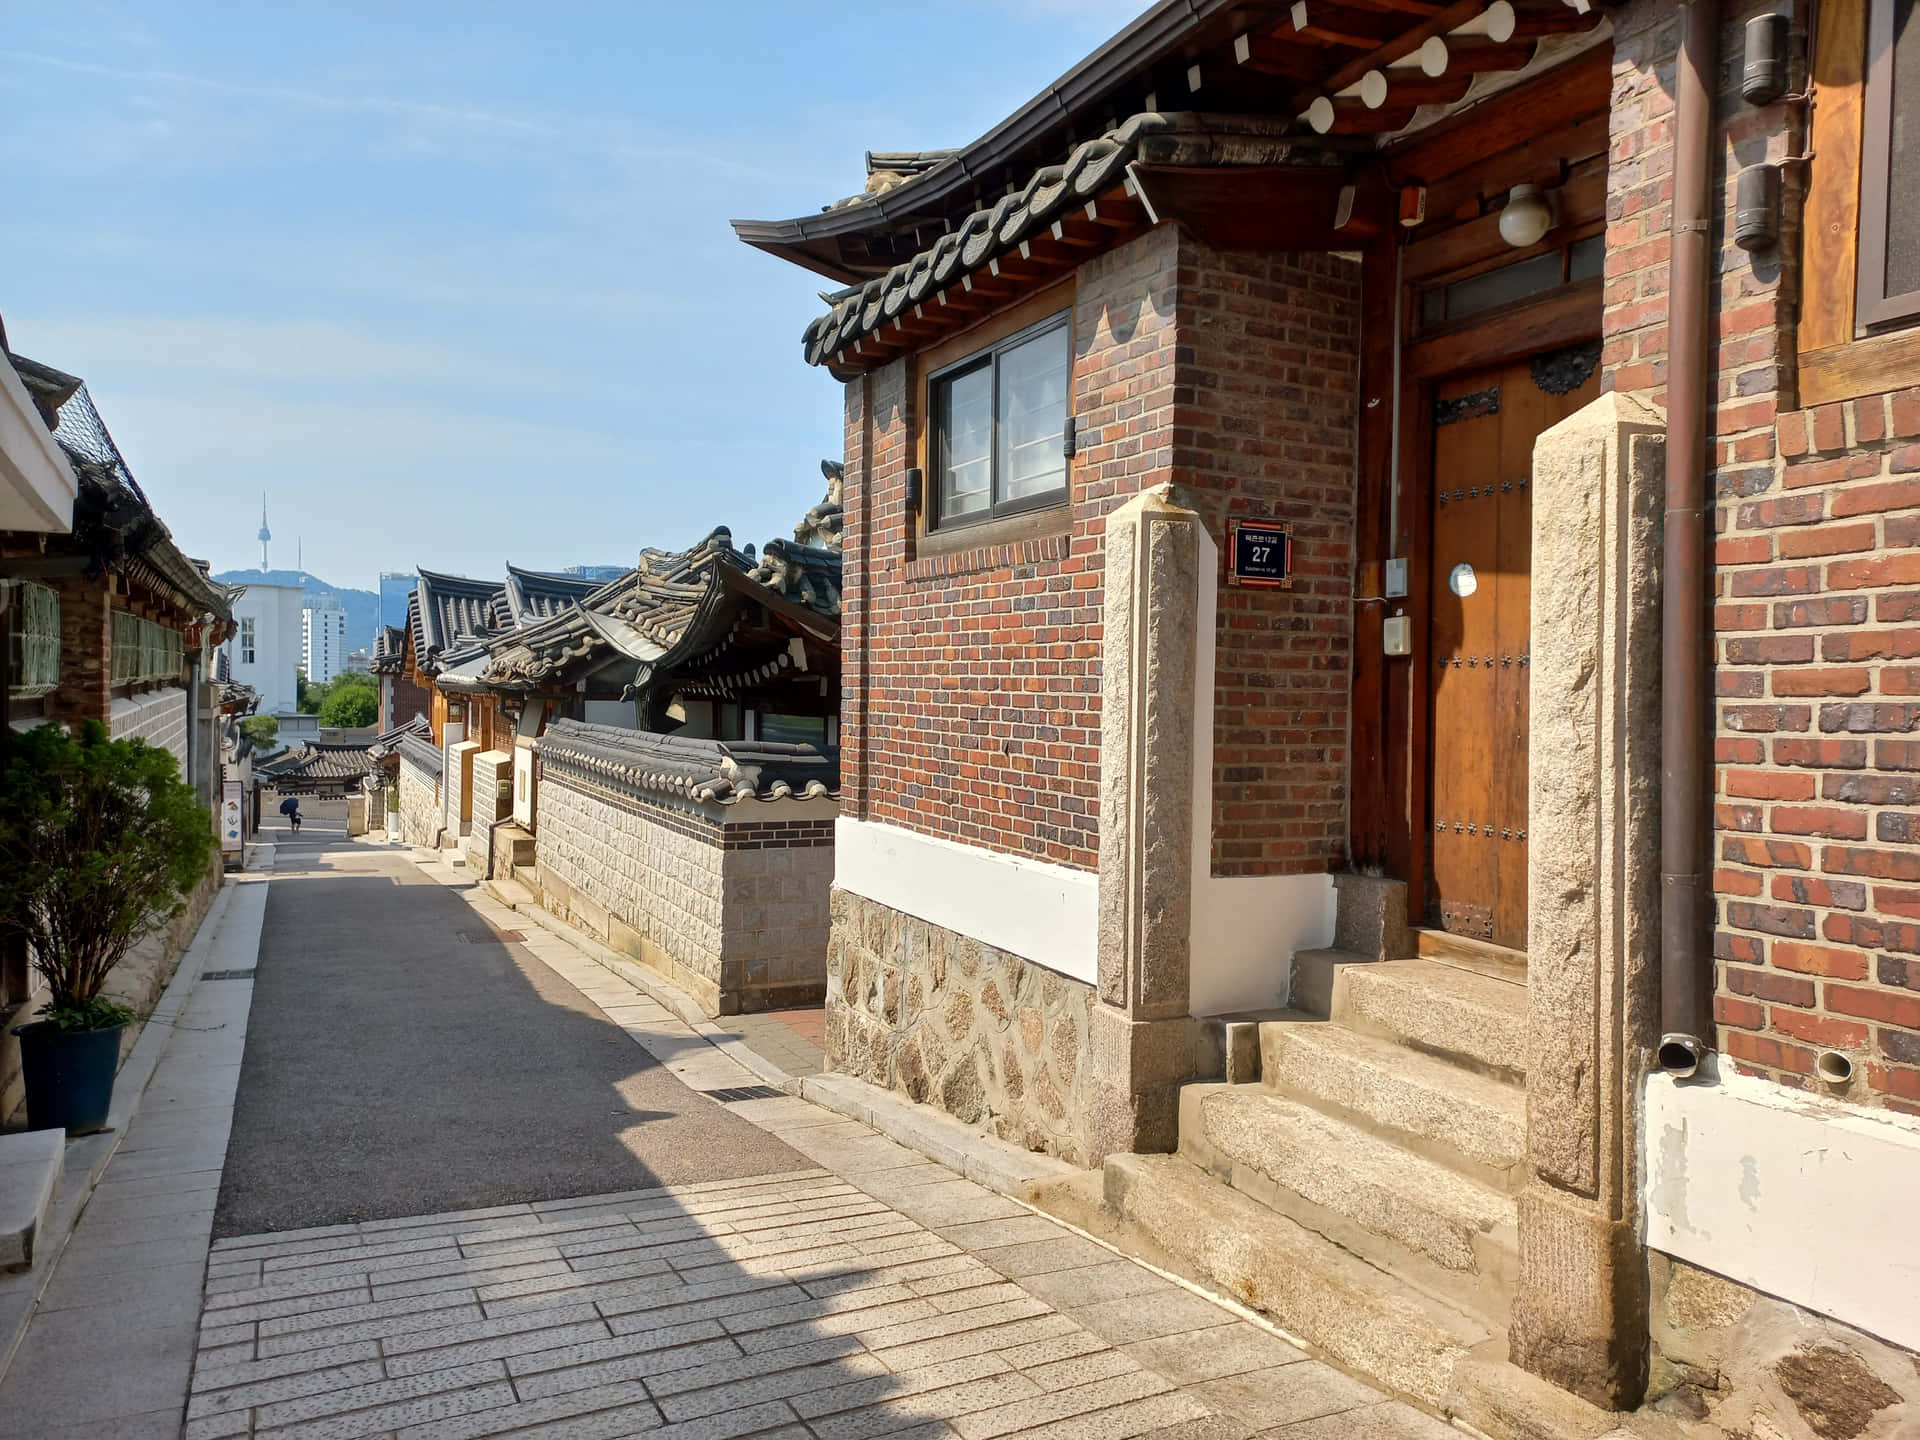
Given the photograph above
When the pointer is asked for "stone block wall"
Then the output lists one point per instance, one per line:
(1817, 614)
(732, 909)
(158, 717)
(984, 1035)
(1756, 1365)
(971, 705)
(419, 817)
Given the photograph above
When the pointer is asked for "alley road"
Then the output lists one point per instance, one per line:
(400, 1174)
(404, 1057)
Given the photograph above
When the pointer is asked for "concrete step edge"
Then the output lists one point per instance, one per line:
(1363, 1317)
(1396, 1092)
(1453, 1014)
(1381, 1187)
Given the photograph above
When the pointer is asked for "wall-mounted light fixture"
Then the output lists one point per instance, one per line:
(1526, 217)
(915, 481)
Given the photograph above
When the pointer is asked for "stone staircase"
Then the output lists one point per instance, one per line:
(1361, 1189)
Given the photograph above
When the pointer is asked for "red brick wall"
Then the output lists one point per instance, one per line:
(971, 694)
(1817, 616)
(404, 701)
(1265, 428)
(86, 651)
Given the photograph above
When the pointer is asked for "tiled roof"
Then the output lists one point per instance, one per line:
(721, 772)
(387, 744)
(417, 749)
(448, 610)
(533, 595)
(668, 609)
(389, 650)
(1094, 167)
(314, 761)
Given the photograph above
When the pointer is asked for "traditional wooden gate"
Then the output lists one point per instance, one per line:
(1484, 428)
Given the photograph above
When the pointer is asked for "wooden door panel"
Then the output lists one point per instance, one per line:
(1484, 428)
(1467, 445)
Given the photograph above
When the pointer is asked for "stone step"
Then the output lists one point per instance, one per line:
(1460, 1015)
(510, 893)
(1368, 1194)
(30, 1162)
(1466, 953)
(1310, 987)
(1468, 1121)
(1363, 1317)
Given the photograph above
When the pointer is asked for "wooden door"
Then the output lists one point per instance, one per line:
(1484, 428)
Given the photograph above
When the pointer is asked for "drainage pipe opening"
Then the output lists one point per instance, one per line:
(1680, 1055)
(1833, 1067)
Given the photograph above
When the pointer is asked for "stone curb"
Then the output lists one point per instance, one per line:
(984, 1159)
(88, 1156)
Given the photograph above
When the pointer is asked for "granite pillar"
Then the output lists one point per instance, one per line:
(1140, 1043)
(1593, 913)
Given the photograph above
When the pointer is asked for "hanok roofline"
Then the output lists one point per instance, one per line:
(114, 524)
(1296, 102)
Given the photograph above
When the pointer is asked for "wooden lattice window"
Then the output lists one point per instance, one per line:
(144, 651)
(36, 642)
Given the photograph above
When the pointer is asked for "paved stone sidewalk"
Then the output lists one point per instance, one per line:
(800, 1304)
(878, 1294)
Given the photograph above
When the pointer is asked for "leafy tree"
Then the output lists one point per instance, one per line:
(350, 705)
(262, 730)
(99, 839)
(306, 695)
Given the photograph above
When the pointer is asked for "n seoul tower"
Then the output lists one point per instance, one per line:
(265, 534)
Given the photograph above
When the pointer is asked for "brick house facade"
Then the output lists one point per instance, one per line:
(1107, 812)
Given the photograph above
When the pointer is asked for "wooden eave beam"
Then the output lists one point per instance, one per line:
(1336, 25)
(1397, 48)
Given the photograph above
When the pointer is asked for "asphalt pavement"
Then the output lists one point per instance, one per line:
(404, 1058)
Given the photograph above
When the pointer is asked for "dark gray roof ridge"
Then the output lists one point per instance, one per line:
(721, 772)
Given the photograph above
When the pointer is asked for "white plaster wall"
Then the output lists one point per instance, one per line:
(37, 485)
(1045, 913)
(1245, 928)
(1805, 1198)
(158, 717)
(275, 611)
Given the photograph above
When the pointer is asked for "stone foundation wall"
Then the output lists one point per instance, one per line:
(419, 817)
(158, 717)
(990, 1038)
(734, 913)
(1751, 1365)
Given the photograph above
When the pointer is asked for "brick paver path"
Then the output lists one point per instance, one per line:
(871, 1293)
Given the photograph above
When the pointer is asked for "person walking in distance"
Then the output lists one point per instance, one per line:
(290, 807)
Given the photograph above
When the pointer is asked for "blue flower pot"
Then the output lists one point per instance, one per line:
(68, 1075)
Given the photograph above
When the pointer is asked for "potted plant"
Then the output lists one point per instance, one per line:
(99, 839)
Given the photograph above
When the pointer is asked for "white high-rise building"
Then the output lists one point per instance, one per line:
(265, 651)
(323, 640)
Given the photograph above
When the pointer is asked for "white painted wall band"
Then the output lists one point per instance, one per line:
(1801, 1197)
(1045, 913)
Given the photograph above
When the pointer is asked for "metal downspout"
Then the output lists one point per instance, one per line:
(1686, 755)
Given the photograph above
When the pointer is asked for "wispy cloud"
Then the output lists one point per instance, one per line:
(571, 132)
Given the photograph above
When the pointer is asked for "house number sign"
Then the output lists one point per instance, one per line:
(1259, 554)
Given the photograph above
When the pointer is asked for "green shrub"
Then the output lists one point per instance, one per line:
(351, 701)
(99, 840)
(262, 730)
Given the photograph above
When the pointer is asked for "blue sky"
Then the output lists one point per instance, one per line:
(453, 283)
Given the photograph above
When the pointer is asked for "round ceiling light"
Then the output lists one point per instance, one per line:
(1526, 217)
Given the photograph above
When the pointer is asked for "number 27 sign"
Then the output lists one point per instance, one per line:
(1259, 554)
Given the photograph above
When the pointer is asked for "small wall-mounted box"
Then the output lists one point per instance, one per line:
(1396, 578)
(1397, 635)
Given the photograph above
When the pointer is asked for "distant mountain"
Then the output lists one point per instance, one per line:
(362, 606)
